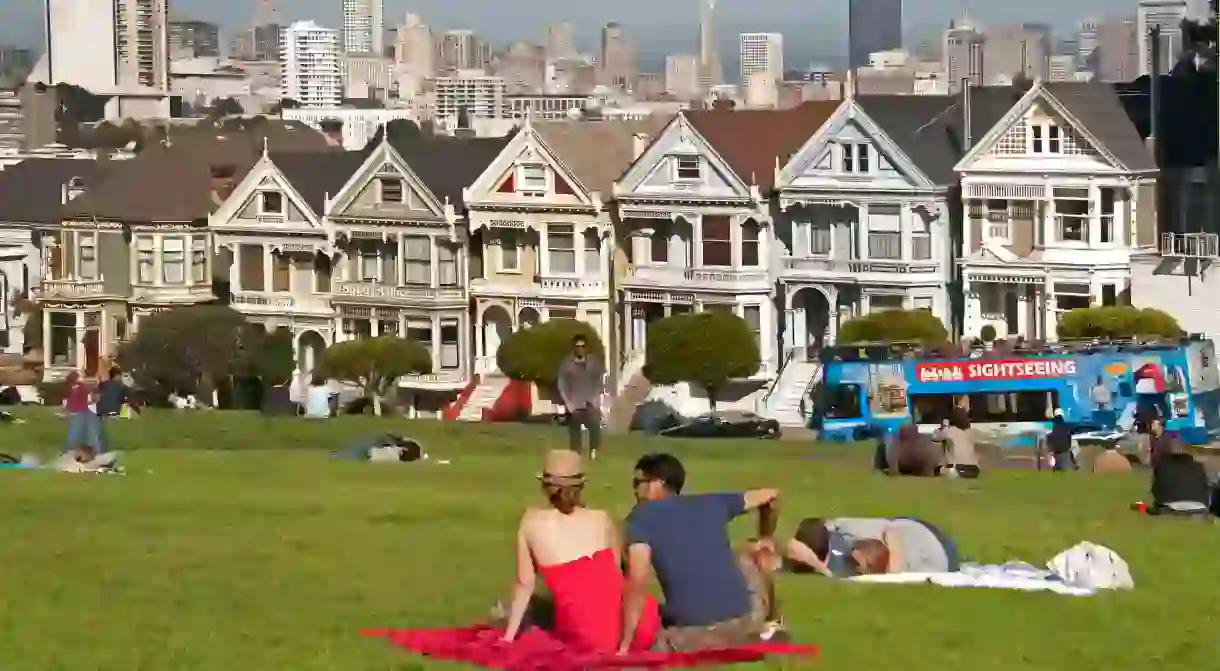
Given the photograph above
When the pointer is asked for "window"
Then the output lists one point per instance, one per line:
(1053, 141)
(921, 239)
(250, 267)
(752, 314)
(658, 245)
(391, 190)
(446, 265)
(1021, 406)
(843, 402)
(533, 178)
(561, 249)
(420, 332)
(821, 239)
(750, 231)
(417, 260)
(321, 274)
(173, 260)
(1046, 138)
(862, 158)
(145, 263)
(998, 227)
(281, 272)
(883, 302)
(1036, 139)
(450, 357)
(593, 252)
(687, 168)
(849, 158)
(1106, 234)
(271, 202)
(884, 236)
(510, 252)
(387, 327)
(1109, 295)
(923, 303)
(87, 242)
(199, 259)
(717, 241)
(360, 329)
(368, 261)
(1072, 296)
(1071, 214)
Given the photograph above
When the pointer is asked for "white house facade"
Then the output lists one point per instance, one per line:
(1056, 195)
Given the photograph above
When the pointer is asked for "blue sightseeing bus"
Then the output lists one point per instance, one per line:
(869, 390)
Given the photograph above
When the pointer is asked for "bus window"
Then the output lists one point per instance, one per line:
(931, 408)
(1013, 406)
(843, 401)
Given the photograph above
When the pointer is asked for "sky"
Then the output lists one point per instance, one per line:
(808, 25)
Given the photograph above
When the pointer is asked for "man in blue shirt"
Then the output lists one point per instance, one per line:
(712, 597)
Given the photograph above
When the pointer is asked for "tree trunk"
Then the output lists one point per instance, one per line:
(711, 399)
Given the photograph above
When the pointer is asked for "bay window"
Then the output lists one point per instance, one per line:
(658, 244)
(173, 260)
(199, 259)
(752, 314)
(421, 332)
(145, 260)
(750, 233)
(321, 274)
(251, 259)
(921, 239)
(561, 249)
(1071, 214)
(593, 252)
(417, 260)
(510, 252)
(87, 244)
(368, 261)
(281, 272)
(446, 265)
(884, 235)
(450, 357)
(821, 238)
(717, 241)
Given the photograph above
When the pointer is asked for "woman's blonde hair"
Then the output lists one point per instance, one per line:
(871, 556)
(564, 497)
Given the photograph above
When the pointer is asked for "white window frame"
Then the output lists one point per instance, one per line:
(262, 203)
(402, 190)
(171, 257)
(864, 163)
(679, 168)
(1041, 136)
(409, 261)
(363, 254)
(1061, 194)
(510, 248)
(146, 259)
(199, 259)
(992, 226)
(523, 181)
(90, 271)
(819, 226)
(456, 325)
(553, 231)
(757, 307)
(591, 250)
(921, 229)
(847, 158)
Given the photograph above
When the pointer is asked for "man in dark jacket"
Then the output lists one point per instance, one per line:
(581, 382)
(1179, 481)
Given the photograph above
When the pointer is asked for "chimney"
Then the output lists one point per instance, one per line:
(639, 144)
(221, 183)
(332, 129)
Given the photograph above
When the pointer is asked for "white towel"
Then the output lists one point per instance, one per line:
(1013, 575)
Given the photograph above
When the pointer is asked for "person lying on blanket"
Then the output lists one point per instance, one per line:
(714, 598)
(847, 546)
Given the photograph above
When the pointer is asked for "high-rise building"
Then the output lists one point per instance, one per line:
(480, 95)
(616, 61)
(1009, 51)
(560, 41)
(108, 45)
(872, 25)
(463, 50)
(1086, 44)
(311, 65)
(682, 77)
(963, 55)
(1117, 56)
(413, 46)
(762, 52)
(363, 27)
(1168, 16)
(193, 39)
(710, 73)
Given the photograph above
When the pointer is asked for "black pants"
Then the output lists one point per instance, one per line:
(589, 417)
(966, 471)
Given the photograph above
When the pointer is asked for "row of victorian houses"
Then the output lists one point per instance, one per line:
(1026, 202)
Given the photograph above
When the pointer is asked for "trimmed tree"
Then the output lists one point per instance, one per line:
(375, 364)
(1118, 321)
(919, 326)
(708, 349)
(534, 354)
(189, 350)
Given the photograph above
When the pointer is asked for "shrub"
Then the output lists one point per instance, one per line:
(708, 349)
(987, 333)
(375, 364)
(1117, 321)
(919, 326)
(534, 354)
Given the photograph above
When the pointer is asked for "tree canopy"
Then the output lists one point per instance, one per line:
(919, 326)
(535, 353)
(1118, 321)
(375, 364)
(707, 348)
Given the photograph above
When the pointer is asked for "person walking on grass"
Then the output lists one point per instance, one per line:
(581, 382)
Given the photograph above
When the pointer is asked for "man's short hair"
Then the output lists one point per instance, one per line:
(579, 339)
(664, 468)
(813, 533)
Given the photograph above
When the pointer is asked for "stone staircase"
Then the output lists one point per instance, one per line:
(483, 397)
(790, 391)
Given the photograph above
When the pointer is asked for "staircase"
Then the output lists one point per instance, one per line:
(484, 396)
(787, 397)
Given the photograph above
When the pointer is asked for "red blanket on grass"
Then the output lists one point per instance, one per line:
(537, 650)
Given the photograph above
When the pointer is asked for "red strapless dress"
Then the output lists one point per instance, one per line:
(588, 595)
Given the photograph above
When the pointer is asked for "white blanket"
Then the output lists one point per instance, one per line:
(1013, 575)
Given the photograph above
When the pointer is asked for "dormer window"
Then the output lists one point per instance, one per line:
(391, 190)
(271, 202)
(855, 158)
(532, 180)
(1046, 138)
(687, 168)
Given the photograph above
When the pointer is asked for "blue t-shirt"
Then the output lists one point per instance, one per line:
(693, 556)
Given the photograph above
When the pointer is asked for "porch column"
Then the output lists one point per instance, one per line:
(969, 303)
(434, 270)
(832, 318)
(669, 309)
(479, 345)
(862, 232)
(436, 342)
(1094, 214)
(904, 239)
(79, 339)
(866, 304)
(1051, 310)
(234, 269)
(46, 338)
(578, 245)
(1023, 311)
(374, 325)
(1050, 235)
(542, 256)
(268, 266)
(693, 252)
(338, 336)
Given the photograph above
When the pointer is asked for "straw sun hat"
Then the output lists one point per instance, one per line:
(563, 467)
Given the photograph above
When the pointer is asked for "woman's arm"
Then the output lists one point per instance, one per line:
(799, 552)
(614, 540)
(894, 543)
(523, 587)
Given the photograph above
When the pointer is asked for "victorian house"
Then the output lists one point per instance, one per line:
(696, 220)
(1057, 194)
(400, 236)
(541, 229)
(138, 241)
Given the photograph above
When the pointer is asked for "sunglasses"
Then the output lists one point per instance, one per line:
(636, 482)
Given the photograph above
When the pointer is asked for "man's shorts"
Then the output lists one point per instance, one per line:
(738, 631)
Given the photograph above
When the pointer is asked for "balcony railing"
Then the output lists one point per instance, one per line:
(677, 276)
(262, 300)
(1190, 245)
(69, 289)
(383, 292)
(571, 285)
(816, 265)
(444, 377)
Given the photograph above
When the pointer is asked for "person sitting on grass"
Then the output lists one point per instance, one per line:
(961, 458)
(831, 547)
(1179, 482)
(912, 453)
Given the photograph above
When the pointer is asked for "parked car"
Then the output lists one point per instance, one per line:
(715, 425)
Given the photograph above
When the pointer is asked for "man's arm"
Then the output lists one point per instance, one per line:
(635, 591)
(766, 502)
(564, 385)
(801, 553)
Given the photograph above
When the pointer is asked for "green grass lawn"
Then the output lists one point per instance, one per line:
(234, 543)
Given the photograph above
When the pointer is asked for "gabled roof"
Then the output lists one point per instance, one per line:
(1097, 108)
(445, 164)
(32, 191)
(172, 183)
(598, 152)
(929, 129)
(753, 141)
(318, 175)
